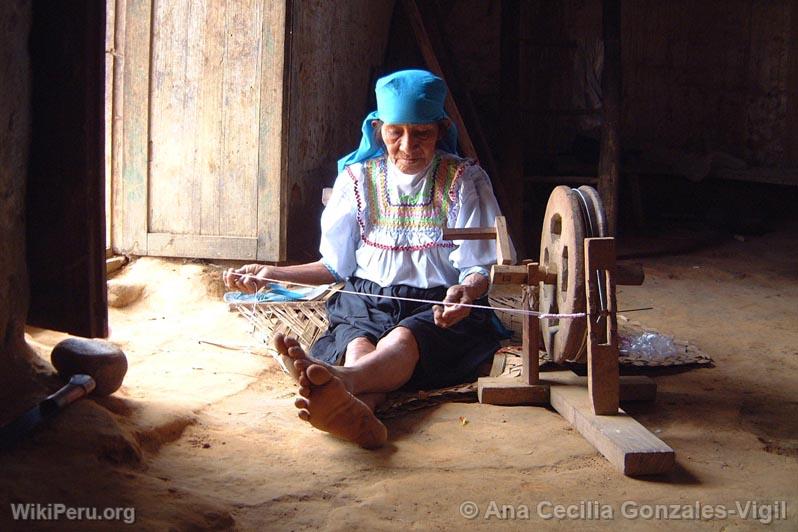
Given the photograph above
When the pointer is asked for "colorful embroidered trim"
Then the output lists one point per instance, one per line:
(426, 217)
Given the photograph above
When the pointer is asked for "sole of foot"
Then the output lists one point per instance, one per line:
(328, 406)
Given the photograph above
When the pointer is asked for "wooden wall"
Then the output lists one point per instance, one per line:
(707, 75)
(335, 51)
(65, 215)
(15, 83)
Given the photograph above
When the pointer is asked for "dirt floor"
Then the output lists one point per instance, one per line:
(202, 436)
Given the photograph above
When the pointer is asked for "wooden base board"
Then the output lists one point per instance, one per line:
(627, 444)
(507, 391)
(631, 387)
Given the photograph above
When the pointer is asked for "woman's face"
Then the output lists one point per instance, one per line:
(410, 146)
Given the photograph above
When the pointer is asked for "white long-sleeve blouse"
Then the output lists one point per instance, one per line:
(386, 226)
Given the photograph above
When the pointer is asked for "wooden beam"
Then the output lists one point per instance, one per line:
(434, 51)
(626, 274)
(501, 274)
(431, 60)
(628, 445)
(511, 156)
(631, 388)
(609, 160)
(602, 341)
(220, 247)
(460, 93)
(510, 391)
(504, 253)
(472, 233)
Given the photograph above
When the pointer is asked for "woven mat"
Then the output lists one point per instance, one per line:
(687, 354)
(399, 402)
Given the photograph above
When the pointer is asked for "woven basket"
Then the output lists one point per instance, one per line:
(304, 320)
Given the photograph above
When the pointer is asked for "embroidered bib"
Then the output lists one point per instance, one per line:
(407, 222)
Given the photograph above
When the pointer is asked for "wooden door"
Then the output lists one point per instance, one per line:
(198, 129)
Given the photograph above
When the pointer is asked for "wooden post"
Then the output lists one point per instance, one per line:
(434, 51)
(602, 346)
(791, 148)
(531, 340)
(609, 160)
(504, 254)
(431, 60)
(431, 12)
(511, 156)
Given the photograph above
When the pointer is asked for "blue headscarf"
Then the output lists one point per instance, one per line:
(404, 97)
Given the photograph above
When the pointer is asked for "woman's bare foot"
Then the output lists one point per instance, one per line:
(282, 344)
(327, 405)
(299, 361)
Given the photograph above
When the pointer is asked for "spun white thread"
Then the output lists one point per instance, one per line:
(540, 315)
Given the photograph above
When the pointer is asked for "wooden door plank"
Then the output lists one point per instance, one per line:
(240, 118)
(117, 117)
(207, 164)
(629, 446)
(272, 135)
(130, 186)
(171, 122)
(218, 247)
(110, 25)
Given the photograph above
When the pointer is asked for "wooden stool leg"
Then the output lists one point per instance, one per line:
(602, 346)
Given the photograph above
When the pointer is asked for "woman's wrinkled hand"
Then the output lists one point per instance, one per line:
(451, 311)
(248, 279)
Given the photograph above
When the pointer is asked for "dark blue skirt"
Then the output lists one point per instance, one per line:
(447, 356)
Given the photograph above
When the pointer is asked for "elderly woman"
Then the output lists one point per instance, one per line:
(381, 232)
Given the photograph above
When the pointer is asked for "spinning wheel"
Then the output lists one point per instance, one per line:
(576, 278)
(571, 216)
